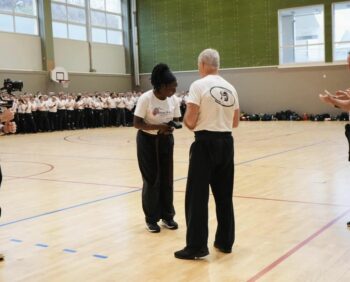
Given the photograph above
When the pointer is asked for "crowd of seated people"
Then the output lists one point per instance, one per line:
(68, 111)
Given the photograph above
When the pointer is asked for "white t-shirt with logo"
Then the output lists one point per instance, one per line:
(217, 100)
(155, 111)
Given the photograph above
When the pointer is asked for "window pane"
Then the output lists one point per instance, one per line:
(26, 25)
(77, 2)
(77, 32)
(98, 4)
(341, 51)
(341, 31)
(6, 5)
(114, 21)
(113, 6)
(287, 55)
(62, 1)
(59, 30)
(27, 7)
(59, 12)
(98, 35)
(76, 15)
(308, 29)
(98, 18)
(309, 54)
(342, 22)
(115, 37)
(301, 35)
(6, 23)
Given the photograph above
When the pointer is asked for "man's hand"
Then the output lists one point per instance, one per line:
(6, 116)
(9, 127)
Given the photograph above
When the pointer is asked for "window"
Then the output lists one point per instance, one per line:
(69, 19)
(341, 31)
(301, 35)
(106, 21)
(19, 16)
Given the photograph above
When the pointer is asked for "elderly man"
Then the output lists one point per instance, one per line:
(212, 111)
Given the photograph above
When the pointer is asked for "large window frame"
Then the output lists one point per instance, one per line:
(291, 53)
(105, 27)
(344, 54)
(69, 24)
(16, 15)
(103, 20)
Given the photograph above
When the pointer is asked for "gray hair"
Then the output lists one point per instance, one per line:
(209, 57)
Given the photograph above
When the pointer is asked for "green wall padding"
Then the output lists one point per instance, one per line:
(245, 32)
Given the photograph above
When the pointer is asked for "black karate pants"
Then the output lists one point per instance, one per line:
(211, 163)
(155, 158)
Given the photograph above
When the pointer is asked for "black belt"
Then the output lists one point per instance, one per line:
(153, 135)
(211, 135)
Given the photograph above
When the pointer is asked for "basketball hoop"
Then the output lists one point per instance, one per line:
(64, 83)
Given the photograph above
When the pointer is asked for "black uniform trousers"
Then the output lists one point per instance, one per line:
(155, 158)
(211, 163)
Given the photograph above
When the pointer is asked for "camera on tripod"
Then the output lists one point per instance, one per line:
(8, 87)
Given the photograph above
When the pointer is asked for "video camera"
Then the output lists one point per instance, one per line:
(10, 85)
(175, 124)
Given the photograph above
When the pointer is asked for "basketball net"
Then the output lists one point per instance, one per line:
(64, 83)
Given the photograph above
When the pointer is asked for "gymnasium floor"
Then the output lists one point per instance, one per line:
(72, 208)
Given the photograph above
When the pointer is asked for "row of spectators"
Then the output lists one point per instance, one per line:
(67, 111)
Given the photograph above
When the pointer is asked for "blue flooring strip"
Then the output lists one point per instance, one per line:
(68, 208)
(16, 240)
(69, 251)
(42, 245)
(100, 256)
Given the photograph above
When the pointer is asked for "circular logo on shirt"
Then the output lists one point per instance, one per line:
(223, 96)
(156, 111)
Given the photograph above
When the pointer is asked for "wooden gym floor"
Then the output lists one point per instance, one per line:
(72, 208)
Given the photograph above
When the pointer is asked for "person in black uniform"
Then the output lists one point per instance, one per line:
(212, 111)
(155, 146)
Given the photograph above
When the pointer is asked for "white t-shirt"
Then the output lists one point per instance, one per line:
(217, 100)
(155, 111)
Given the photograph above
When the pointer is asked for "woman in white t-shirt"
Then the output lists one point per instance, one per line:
(155, 146)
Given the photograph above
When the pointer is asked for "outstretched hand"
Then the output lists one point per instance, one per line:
(6, 116)
(9, 127)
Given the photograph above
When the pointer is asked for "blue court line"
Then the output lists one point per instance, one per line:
(100, 256)
(266, 156)
(69, 251)
(16, 240)
(42, 245)
(68, 208)
(118, 195)
(64, 250)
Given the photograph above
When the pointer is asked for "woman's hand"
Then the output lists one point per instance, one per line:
(165, 129)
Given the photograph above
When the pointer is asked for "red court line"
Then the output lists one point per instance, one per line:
(78, 182)
(295, 249)
(291, 201)
(51, 167)
(282, 200)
